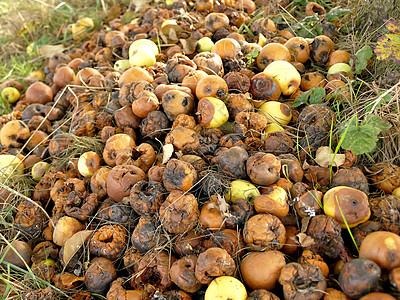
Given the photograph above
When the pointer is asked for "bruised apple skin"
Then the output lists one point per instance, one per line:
(351, 202)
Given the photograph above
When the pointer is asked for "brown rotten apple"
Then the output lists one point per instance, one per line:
(346, 205)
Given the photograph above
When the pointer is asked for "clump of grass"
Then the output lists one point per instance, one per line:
(13, 191)
(78, 146)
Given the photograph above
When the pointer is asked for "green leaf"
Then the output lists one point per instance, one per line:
(362, 57)
(361, 139)
(317, 95)
(336, 13)
(376, 122)
(302, 99)
(313, 96)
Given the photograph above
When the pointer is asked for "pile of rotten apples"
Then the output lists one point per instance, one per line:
(207, 184)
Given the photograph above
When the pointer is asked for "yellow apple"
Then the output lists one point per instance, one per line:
(170, 2)
(242, 189)
(396, 192)
(81, 27)
(273, 127)
(37, 74)
(142, 56)
(276, 112)
(212, 112)
(226, 288)
(144, 42)
(88, 163)
(10, 164)
(285, 74)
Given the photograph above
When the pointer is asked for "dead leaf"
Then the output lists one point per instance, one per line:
(325, 157)
(304, 240)
(67, 281)
(48, 50)
(222, 205)
(74, 243)
(304, 224)
(168, 150)
(189, 45)
(172, 32)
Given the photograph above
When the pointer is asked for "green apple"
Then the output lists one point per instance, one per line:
(285, 74)
(204, 44)
(276, 112)
(142, 56)
(10, 94)
(224, 288)
(144, 42)
(121, 65)
(212, 112)
(39, 169)
(342, 68)
(10, 164)
(242, 189)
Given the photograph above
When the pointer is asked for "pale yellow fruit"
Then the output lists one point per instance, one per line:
(396, 192)
(81, 28)
(142, 56)
(170, 2)
(144, 42)
(10, 164)
(226, 288)
(88, 163)
(276, 112)
(38, 74)
(261, 40)
(285, 74)
(273, 127)
(88, 22)
(242, 189)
